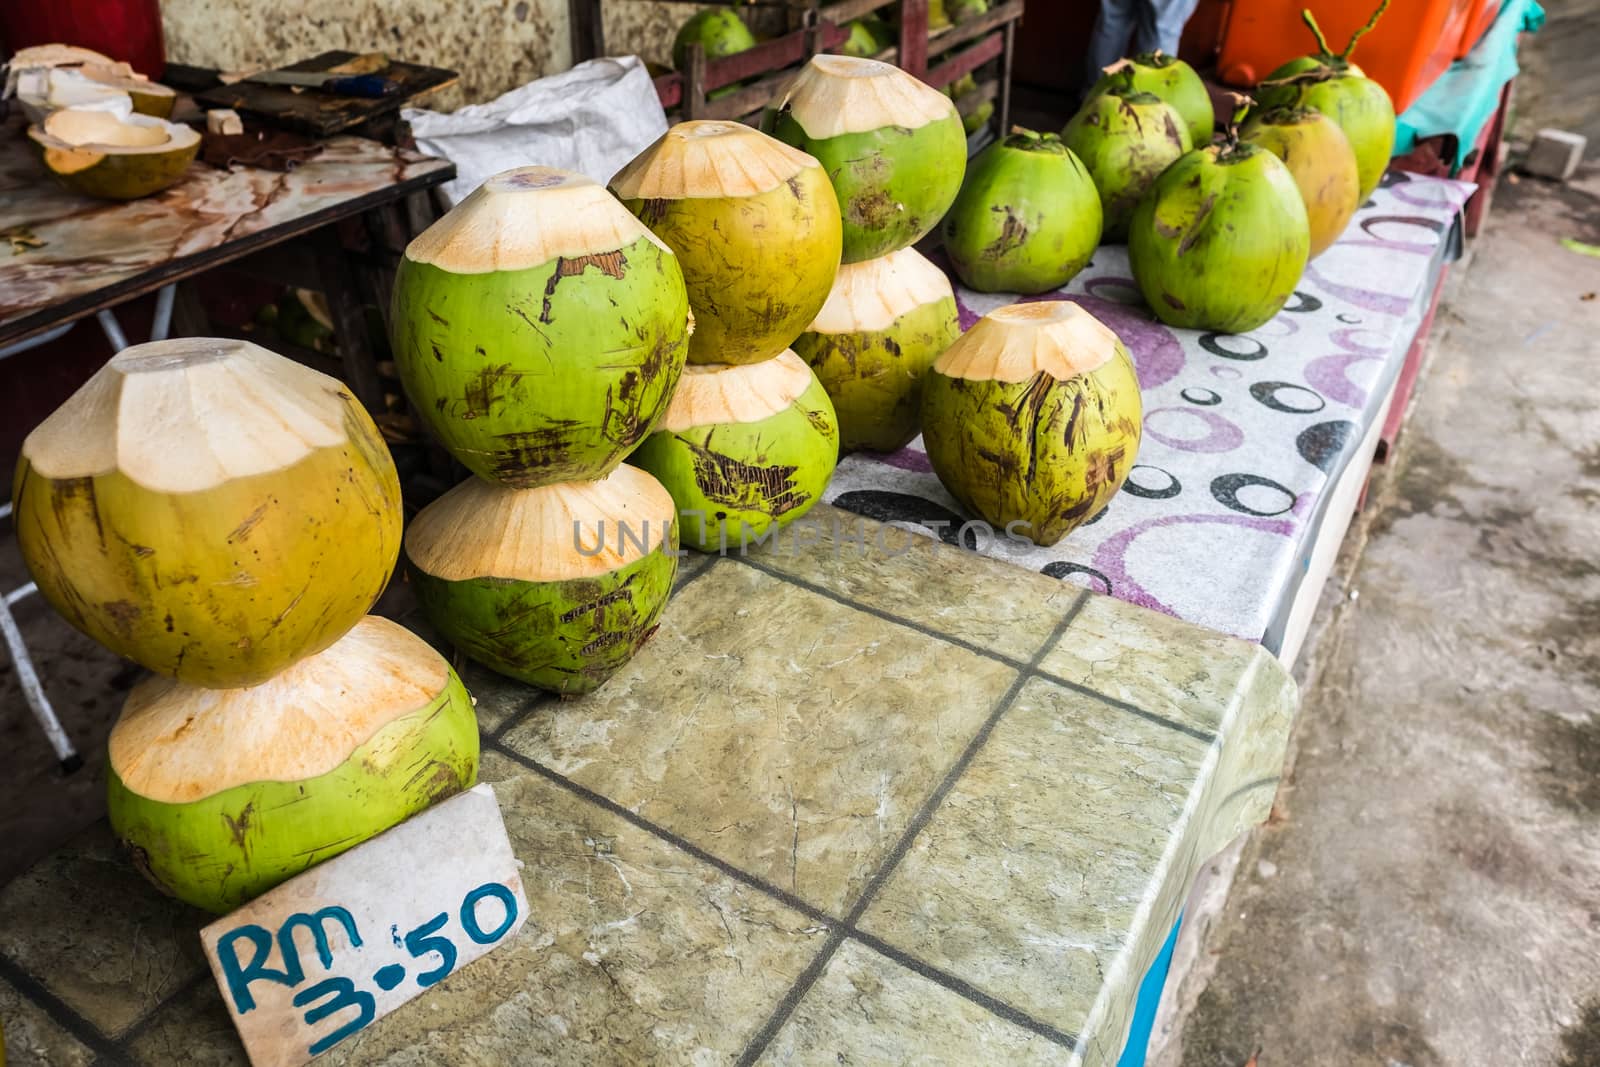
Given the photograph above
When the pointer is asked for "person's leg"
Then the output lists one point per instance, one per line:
(1160, 24)
(1109, 42)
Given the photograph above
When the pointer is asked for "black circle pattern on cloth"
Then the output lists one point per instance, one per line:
(1212, 342)
(1289, 397)
(1227, 487)
(1062, 569)
(1320, 445)
(1165, 492)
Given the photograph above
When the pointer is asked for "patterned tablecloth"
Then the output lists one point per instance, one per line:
(1242, 433)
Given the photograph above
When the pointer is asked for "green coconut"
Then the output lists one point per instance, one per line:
(743, 449)
(558, 586)
(1222, 239)
(114, 156)
(884, 324)
(1032, 419)
(1331, 84)
(961, 11)
(1028, 217)
(869, 35)
(1319, 158)
(894, 148)
(1170, 79)
(539, 329)
(754, 225)
(1125, 139)
(223, 793)
(720, 31)
(209, 509)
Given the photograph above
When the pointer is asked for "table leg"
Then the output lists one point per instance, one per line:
(28, 678)
(349, 321)
(189, 318)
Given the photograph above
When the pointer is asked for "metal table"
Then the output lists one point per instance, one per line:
(72, 256)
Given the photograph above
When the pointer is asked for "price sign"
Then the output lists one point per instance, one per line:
(323, 955)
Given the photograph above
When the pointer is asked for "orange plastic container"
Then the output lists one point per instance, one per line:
(1479, 19)
(1412, 45)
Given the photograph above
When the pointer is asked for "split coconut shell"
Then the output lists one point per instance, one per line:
(47, 77)
(209, 509)
(112, 156)
(743, 450)
(885, 322)
(539, 328)
(754, 224)
(557, 586)
(222, 794)
(1032, 419)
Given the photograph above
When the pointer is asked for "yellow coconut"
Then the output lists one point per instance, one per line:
(755, 227)
(222, 794)
(111, 156)
(209, 509)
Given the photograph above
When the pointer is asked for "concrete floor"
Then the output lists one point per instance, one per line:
(1428, 892)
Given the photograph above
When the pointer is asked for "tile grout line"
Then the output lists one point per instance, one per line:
(964, 989)
(879, 613)
(517, 718)
(781, 1013)
(133, 1032)
(638, 821)
(64, 1016)
(921, 967)
(986, 653)
(1132, 709)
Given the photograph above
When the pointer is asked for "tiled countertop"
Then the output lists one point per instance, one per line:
(846, 807)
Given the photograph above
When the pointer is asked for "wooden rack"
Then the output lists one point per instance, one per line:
(983, 47)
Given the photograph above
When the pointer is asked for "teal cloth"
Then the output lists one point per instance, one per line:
(1466, 96)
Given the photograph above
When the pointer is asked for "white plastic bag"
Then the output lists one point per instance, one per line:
(592, 119)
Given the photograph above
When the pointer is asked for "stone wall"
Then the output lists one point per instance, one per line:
(497, 45)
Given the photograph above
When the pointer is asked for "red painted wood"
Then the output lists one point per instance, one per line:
(914, 37)
(966, 62)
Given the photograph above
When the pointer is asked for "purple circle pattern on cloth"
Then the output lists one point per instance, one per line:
(1242, 434)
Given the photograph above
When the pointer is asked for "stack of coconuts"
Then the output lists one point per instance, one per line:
(749, 438)
(1218, 234)
(895, 151)
(539, 331)
(226, 517)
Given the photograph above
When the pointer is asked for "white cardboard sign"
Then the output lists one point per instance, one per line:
(323, 955)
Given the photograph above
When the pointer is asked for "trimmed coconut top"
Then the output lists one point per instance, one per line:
(1016, 342)
(525, 218)
(721, 392)
(188, 414)
(709, 158)
(178, 743)
(554, 533)
(872, 294)
(833, 95)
